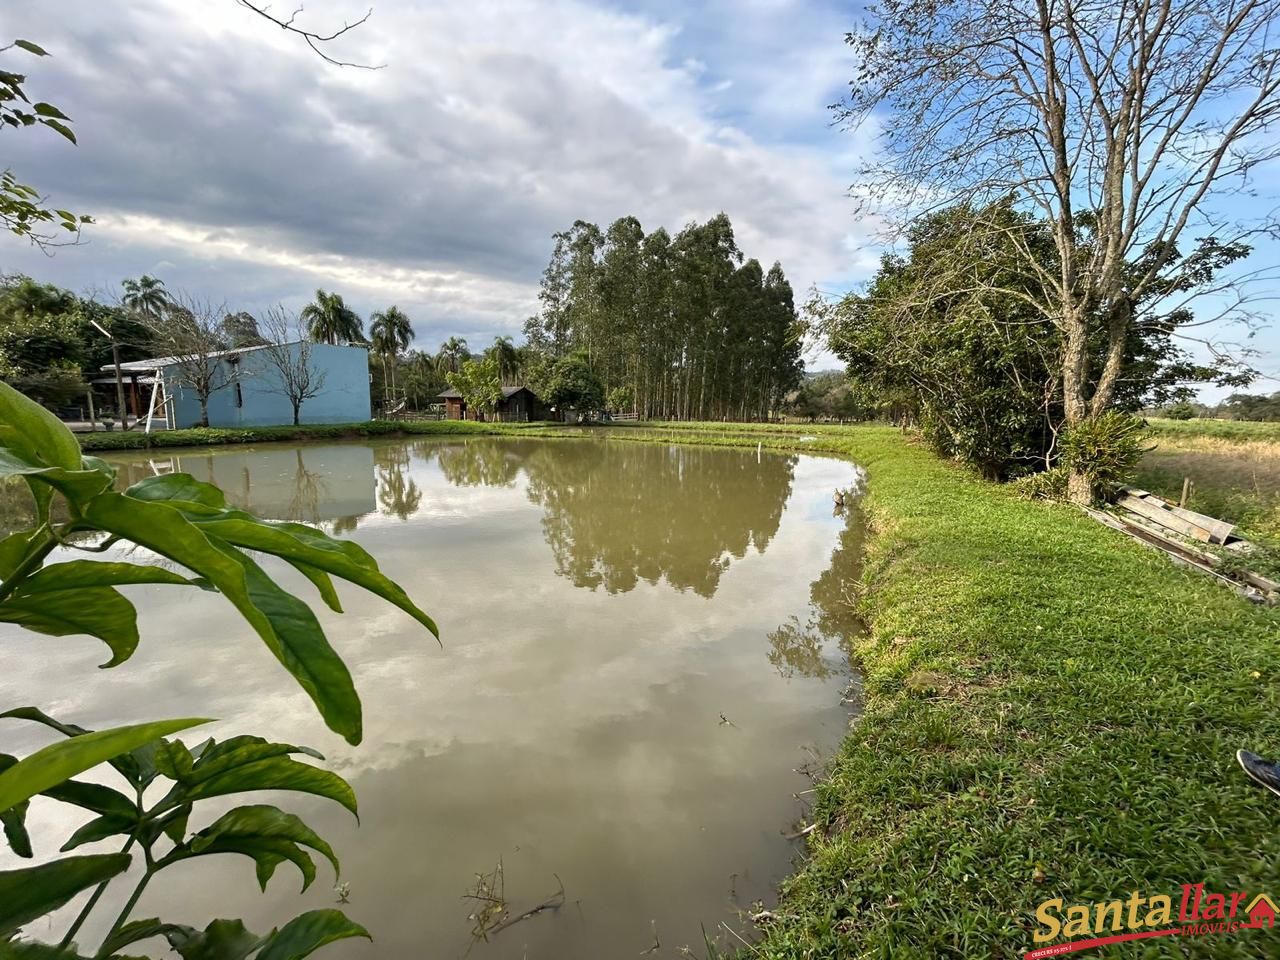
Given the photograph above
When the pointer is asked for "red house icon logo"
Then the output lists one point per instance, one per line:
(1262, 912)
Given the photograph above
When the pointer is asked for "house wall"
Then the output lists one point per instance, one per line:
(344, 398)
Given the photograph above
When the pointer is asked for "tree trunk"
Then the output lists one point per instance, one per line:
(1075, 377)
(204, 412)
(297, 407)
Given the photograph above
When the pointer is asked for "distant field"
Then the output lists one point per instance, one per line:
(1234, 466)
(1220, 429)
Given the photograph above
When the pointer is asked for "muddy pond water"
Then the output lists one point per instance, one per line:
(644, 651)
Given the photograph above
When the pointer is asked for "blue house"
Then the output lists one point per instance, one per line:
(250, 390)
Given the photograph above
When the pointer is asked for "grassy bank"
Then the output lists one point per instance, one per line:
(1050, 711)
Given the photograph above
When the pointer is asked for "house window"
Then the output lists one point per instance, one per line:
(239, 395)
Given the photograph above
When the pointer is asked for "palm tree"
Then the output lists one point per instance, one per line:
(391, 333)
(453, 354)
(330, 320)
(506, 355)
(145, 297)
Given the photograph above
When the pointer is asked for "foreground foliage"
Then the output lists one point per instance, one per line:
(187, 523)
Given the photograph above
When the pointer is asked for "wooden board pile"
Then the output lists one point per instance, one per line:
(1180, 532)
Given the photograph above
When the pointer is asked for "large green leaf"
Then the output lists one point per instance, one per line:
(303, 935)
(77, 597)
(286, 624)
(294, 542)
(177, 486)
(99, 828)
(126, 764)
(35, 433)
(136, 931)
(263, 832)
(34, 891)
(59, 762)
(98, 612)
(299, 643)
(14, 820)
(220, 940)
(322, 583)
(278, 773)
(299, 543)
(14, 548)
(76, 485)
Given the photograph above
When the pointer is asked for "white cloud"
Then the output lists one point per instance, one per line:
(212, 142)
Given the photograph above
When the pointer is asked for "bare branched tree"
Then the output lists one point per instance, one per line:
(188, 330)
(288, 357)
(1116, 121)
(315, 39)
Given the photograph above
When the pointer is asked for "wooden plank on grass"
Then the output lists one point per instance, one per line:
(1157, 513)
(1219, 530)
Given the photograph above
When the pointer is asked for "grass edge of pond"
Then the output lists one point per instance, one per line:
(1050, 711)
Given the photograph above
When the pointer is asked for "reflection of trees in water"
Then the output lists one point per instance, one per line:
(618, 513)
(797, 648)
(482, 462)
(344, 525)
(398, 493)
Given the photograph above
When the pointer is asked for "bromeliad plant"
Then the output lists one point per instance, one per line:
(189, 524)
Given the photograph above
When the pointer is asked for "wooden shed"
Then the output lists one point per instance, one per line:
(518, 405)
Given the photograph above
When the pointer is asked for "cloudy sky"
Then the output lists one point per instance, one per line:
(221, 155)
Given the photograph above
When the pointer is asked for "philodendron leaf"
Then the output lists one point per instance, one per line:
(14, 820)
(14, 548)
(246, 763)
(220, 940)
(35, 891)
(77, 485)
(295, 542)
(279, 773)
(59, 762)
(136, 931)
(286, 624)
(77, 597)
(34, 433)
(125, 764)
(265, 833)
(303, 935)
(177, 486)
(99, 828)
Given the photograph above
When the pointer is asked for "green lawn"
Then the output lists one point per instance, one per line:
(1050, 710)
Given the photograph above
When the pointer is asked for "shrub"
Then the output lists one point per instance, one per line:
(1106, 449)
(1048, 484)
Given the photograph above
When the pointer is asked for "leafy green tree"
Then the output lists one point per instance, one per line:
(1120, 127)
(205, 544)
(1244, 406)
(574, 385)
(422, 381)
(478, 382)
(684, 324)
(949, 334)
(329, 320)
(241, 330)
(22, 209)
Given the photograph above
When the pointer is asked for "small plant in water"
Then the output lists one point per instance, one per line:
(189, 524)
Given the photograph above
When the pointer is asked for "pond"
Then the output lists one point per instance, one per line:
(644, 653)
